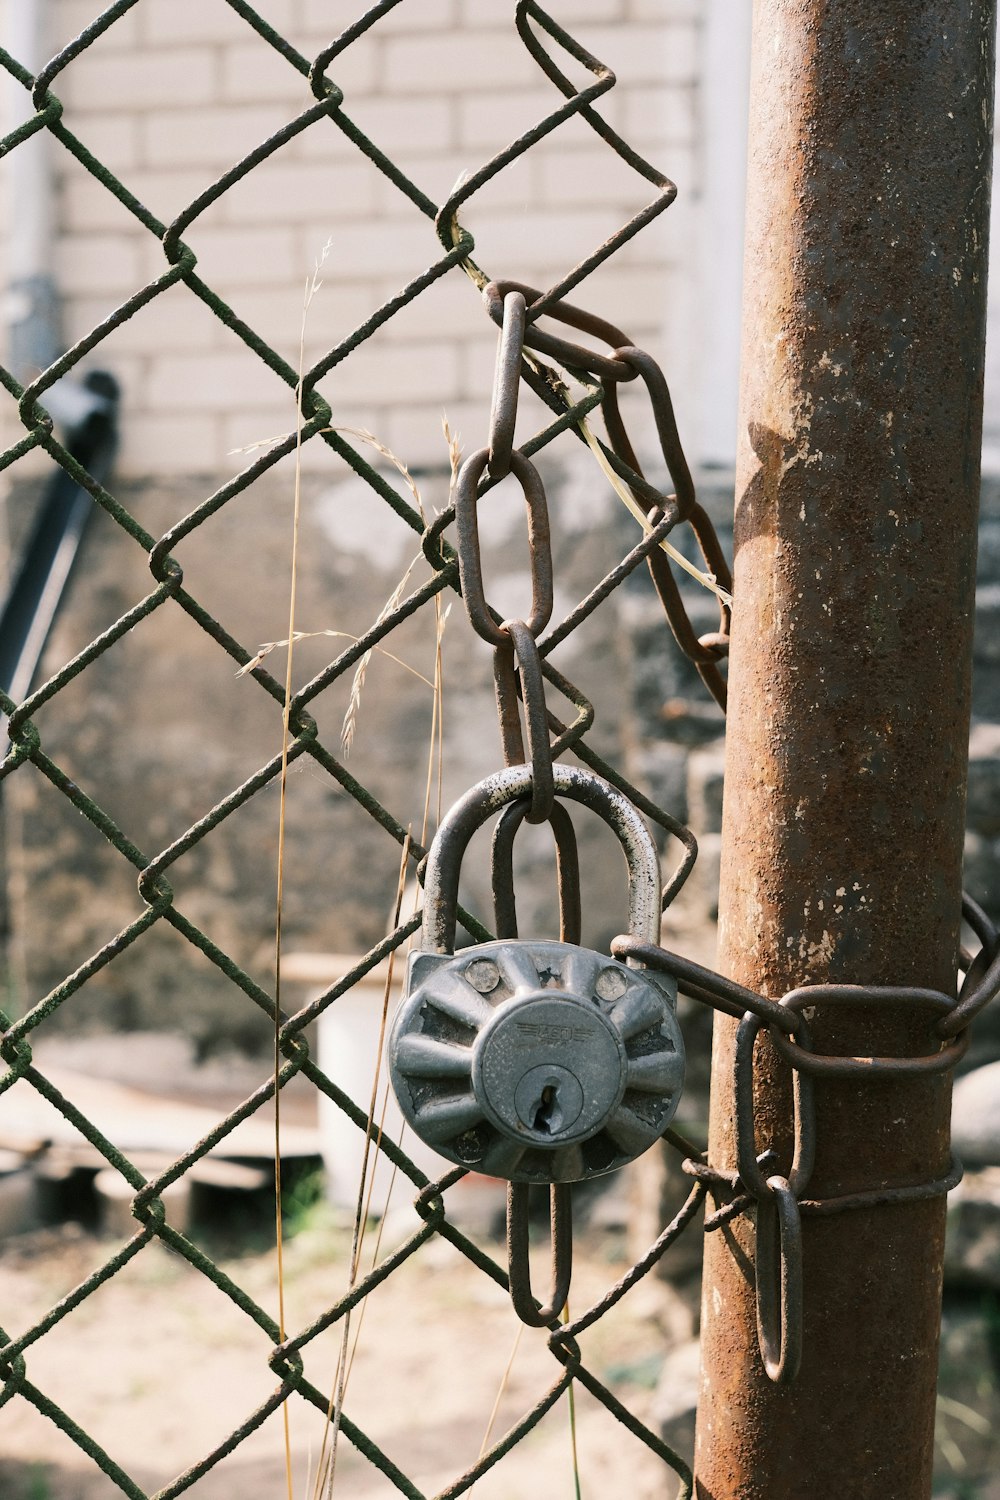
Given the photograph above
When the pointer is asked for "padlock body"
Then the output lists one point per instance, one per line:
(536, 1061)
(548, 1068)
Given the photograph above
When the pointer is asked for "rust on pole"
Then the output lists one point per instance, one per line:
(857, 498)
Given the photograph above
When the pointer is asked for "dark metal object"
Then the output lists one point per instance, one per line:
(751, 1174)
(870, 996)
(521, 643)
(575, 357)
(561, 1220)
(536, 1061)
(29, 608)
(778, 1232)
(982, 980)
(626, 363)
(470, 561)
(732, 999)
(705, 652)
(492, 796)
(855, 545)
(567, 871)
(506, 385)
(778, 1281)
(702, 984)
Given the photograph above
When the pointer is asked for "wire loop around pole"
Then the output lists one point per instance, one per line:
(779, 1281)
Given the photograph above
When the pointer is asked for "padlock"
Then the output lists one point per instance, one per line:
(537, 1061)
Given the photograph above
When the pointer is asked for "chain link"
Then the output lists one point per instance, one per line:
(567, 871)
(852, 996)
(524, 649)
(531, 1312)
(775, 1198)
(470, 559)
(506, 385)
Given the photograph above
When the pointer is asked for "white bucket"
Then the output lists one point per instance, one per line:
(348, 1052)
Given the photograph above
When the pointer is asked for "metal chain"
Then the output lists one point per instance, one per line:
(625, 364)
(517, 659)
(779, 1200)
(517, 665)
(776, 1197)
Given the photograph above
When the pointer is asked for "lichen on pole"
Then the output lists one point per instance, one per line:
(856, 510)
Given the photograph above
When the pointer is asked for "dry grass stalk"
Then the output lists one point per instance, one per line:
(504, 1381)
(327, 1466)
(364, 436)
(312, 286)
(707, 580)
(350, 723)
(453, 442)
(435, 758)
(310, 635)
(435, 764)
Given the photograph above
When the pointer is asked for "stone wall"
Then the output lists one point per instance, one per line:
(159, 729)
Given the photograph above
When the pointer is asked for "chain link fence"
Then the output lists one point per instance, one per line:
(549, 363)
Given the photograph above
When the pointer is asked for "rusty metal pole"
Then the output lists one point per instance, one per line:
(857, 494)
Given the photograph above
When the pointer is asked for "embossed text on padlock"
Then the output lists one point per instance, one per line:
(538, 1061)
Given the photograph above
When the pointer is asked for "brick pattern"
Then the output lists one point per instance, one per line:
(179, 89)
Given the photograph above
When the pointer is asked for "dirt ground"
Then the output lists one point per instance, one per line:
(158, 1365)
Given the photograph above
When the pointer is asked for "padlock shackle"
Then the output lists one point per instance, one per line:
(444, 862)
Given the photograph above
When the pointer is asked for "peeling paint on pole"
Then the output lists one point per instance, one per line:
(857, 497)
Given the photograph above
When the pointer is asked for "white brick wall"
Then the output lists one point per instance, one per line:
(180, 89)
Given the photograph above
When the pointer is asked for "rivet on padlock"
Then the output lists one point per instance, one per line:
(537, 1061)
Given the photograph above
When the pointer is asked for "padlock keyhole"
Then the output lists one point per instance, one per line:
(548, 1115)
(548, 1099)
